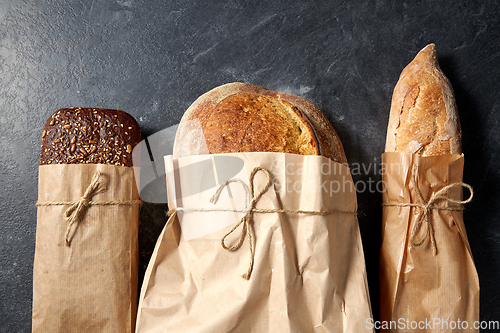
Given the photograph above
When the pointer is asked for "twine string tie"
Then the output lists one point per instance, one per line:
(250, 209)
(246, 230)
(76, 210)
(427, 206)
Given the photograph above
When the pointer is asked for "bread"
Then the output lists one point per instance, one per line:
(240, 117)
(424, 117)
(87, 135)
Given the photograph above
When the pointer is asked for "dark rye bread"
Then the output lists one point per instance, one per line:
(88, 135)
(240, 117)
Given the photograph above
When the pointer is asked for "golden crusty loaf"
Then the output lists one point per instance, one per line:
(240, 117)
(424, 117)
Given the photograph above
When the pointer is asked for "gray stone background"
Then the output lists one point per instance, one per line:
(152, 59)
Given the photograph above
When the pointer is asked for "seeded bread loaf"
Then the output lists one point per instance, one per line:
(240, 117)
(424, 117)
(88, 135)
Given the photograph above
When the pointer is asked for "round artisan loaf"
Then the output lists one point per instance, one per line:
(240, 117)
(424, 117)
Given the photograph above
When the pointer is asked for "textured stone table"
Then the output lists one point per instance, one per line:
(154, 58)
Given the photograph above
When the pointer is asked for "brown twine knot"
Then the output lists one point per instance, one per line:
(250, 209)
(245, 221)
(77, 209)
(75, 212)
(428, 206)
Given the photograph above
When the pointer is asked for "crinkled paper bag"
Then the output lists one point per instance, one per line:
(308, 275)
(438, 291)
(91, 285)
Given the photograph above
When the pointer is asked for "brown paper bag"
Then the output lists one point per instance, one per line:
(308, 271)
(90, 285)
(428, 281)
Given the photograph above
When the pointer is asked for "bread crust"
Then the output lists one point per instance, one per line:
(329, 141)
(89, 135)
(424, 118)
(240, 117)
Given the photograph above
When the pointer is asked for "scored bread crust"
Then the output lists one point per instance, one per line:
(329, 141)
(424, 117)
(240, 117)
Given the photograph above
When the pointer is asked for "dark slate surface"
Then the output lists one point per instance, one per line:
(154, 58)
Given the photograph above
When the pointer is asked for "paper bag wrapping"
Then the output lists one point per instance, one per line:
(437, 292)
(91, 285)
(309, 273)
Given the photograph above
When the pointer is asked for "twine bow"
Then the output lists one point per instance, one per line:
(77, 209)
(428, 206)
(75, 212)
(250, 209)
(246, 229)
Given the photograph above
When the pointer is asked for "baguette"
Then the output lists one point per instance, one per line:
(240, 117)
(426, 264)
(424, 118)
